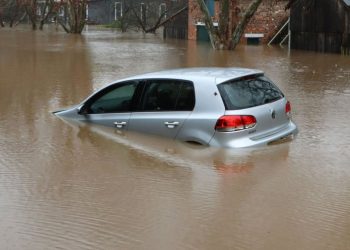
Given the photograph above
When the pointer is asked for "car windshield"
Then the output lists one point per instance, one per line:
(248, 92)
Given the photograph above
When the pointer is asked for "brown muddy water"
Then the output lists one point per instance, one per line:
(76, 186)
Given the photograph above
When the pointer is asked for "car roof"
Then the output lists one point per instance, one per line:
(218, 74)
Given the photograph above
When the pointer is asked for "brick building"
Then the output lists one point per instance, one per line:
(264, 24)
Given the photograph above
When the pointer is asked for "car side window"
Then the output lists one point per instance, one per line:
(116, 99)
(186, 98)
(168, 95)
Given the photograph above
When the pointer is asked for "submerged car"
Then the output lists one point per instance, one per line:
(223, 107)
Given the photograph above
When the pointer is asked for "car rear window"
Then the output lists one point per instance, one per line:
(249, 92)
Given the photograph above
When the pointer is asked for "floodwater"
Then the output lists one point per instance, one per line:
(78, 186)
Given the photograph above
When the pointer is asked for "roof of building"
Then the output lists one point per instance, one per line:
(347, 2)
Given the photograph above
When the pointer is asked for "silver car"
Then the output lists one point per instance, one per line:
(222, 107)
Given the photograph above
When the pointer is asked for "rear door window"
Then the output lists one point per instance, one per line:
(168, 95)
(248, 92)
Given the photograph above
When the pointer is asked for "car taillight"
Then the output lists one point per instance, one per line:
(229, 123)
(288, 108)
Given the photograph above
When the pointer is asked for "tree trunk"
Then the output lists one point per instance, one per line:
(44, 14)
(32, 18)
(1, 21)
(139, 19)
(66, 29)
(213, 35)
(224, 23)
(221, 37)
(33, 21)
(41, 25)
(77, 15)
(14, 15)
(237, 33)
(50, 9)
(160, 23)
(19, 20)
(30, 8)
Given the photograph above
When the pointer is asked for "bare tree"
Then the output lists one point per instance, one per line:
(231, 26)
(11, 11)
(30, 7)
(247, 15)
(48, 10)
(1, 20)
(153, 14)
(16, 10)
(2, 7)
(124, 19)
(76, 16)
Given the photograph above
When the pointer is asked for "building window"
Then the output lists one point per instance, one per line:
(118, 10)
(143, 10)
(162, 10)
(61, 11)
(87, 12)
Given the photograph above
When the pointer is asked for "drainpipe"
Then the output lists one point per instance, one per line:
(289, 36)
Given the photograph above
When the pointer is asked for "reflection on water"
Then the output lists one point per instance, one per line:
(80, 186)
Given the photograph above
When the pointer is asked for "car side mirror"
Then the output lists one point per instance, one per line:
(82, 110)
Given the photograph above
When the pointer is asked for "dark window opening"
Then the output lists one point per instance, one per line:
(168, 95)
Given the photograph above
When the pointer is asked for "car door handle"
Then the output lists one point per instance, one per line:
(119, 124)
(171, 124)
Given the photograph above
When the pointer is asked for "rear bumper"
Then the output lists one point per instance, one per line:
(230, 140)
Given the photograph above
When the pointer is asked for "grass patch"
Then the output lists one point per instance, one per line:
(113, 25)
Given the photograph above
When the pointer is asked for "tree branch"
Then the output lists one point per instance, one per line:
(236, 36)
(208, 23)
(161, 23)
